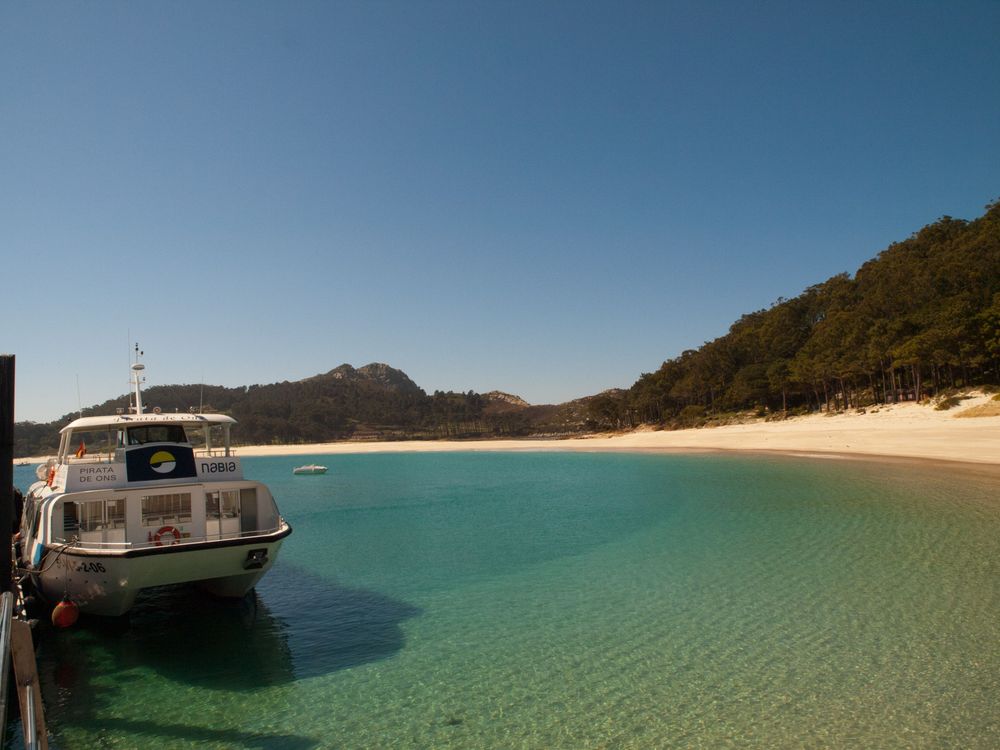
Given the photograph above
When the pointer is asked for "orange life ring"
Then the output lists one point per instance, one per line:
(163, 531)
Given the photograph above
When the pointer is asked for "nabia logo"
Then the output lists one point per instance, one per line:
(162, 462)
(152, 463)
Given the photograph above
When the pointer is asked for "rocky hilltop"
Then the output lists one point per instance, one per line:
(376, 372)
(506, 398)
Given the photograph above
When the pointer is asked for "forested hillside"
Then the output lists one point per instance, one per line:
(921, 317)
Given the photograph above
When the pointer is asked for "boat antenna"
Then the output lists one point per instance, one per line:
(128, 347)
(79, 403)
(137, 378)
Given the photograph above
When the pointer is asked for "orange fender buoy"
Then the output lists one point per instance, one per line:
(65, 614)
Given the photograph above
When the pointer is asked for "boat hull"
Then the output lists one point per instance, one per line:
(107, 583)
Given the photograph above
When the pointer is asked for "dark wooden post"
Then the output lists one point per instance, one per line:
(6, 466)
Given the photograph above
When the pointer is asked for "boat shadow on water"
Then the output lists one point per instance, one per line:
(294, 626)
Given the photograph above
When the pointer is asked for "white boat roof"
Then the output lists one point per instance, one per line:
(122, 420)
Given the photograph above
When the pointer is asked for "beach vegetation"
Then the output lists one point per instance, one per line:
(948, 402)
(921, 317)
(692, 415)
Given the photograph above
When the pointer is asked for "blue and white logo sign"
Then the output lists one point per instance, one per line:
(154, 462)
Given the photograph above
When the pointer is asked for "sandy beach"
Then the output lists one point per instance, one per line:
(909, 430)
(969, 433)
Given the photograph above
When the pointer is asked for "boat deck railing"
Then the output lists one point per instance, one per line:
(213, 452)
(92, 458)
(125, 546)
(110, 458)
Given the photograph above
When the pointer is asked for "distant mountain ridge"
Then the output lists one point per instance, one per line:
(375, 401)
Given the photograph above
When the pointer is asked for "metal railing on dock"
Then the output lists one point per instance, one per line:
(15, 641)
(6, 617)
(17, 646)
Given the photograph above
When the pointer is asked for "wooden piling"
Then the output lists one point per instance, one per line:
(6, 468)
(6, 518)
(22, 649)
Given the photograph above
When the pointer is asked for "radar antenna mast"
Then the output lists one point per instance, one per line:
(137, 379)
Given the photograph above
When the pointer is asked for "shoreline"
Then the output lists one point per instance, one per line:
(906, 431)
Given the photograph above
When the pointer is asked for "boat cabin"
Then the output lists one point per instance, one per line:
(127, 519)
(130, 481)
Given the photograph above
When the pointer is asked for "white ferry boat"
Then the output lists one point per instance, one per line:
(131, 503)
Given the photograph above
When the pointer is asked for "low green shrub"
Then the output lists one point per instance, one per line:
(691, 415)
(948, 403)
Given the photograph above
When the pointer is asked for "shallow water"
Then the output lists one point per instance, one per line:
(570, 601)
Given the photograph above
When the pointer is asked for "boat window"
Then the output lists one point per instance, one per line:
(222, 504)
(91, 515)
(158, 510)
(248, 502)
(94, 515)
(90, 444)
(114, 512)
(156, 433)
(71, 522)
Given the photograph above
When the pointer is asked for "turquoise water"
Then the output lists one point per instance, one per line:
(571, 601)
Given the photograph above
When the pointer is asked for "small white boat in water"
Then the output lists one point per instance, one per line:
(309, 469)
(130, 503)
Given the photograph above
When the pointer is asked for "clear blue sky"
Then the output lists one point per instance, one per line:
(543, 198)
